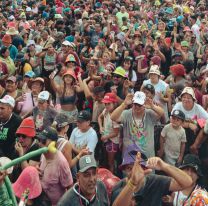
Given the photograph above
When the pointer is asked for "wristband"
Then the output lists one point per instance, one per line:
(131, 185)
(78, 157)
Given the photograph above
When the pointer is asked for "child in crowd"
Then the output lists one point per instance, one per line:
(173, 139)
(109, 129)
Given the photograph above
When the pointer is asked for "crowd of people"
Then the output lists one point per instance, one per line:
(120, 86)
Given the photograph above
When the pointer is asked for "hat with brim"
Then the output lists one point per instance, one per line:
(154, 69)
(190, 91)
(12, 31)
(120, 71)
(139, 98)
(86, 162)
(84, 115)
(27, 127)
(48, 133)
(110, 98)
(38, 79)
(193, 161)
(130, 156)
(184, 44)
(71, 73)
(179, 114)
(28, 180)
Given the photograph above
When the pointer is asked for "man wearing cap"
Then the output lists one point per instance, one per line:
(193, 195)
(11, 87)
(9, 122)
(138, 122)
(83, 136)
(55, 173)
(88, 190)
(117, 83)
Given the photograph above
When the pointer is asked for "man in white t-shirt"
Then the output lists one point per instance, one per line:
(83, 136)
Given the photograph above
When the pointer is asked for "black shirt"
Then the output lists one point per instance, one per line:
(8, 136)
(156, 186)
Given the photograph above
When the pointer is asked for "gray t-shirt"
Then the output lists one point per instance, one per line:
(143, 136)
(172, 145)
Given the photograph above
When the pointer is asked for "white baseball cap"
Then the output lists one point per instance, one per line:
(66, 43)
(44, 95)
(139, 98)
(8, 100)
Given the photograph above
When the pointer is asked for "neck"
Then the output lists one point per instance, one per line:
(50, 155)
(85, 130)
(12, 94)
(62, 133)
(188, 190)
(138, 115)
(6, 119)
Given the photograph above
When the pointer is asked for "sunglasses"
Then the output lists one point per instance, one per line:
(21, 136)
(41, 101)
(143, 162)
(42, 141)
(117, 76)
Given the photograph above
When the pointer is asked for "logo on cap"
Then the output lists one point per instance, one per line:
(88, 160)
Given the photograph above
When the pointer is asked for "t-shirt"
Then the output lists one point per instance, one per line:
(8, 136)
(196, 112)
(43, 119)
(150, 194)
(109, 126)
(73, 197)
(87, 139)
(55, 176)
(173, 139)
(143, 136)
(160, 87)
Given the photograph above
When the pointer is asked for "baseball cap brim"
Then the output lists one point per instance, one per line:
(88, 167)
(197, 169)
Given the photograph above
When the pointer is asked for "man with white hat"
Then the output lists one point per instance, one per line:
(9, 122)
(138, 122)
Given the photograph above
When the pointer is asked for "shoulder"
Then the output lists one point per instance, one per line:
(69, 198)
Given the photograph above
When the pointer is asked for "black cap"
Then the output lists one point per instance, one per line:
(48, 133)
(179, 114)
(84, 116)
(150, 88)
(193, 161)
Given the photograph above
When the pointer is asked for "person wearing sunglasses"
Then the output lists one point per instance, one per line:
(26, 143)
(138, 122)
(147, 188)
(55, 174)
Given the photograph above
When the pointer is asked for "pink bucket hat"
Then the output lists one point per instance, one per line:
(28, 179)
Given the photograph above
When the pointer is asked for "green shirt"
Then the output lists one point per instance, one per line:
(5, 199)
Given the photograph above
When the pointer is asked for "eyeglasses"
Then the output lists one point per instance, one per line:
(117, 76)
(41, 101)
(21, 136)
(42, 141)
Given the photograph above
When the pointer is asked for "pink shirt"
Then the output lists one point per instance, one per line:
(55, 176)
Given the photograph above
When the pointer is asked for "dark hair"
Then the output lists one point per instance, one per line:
(3, 50)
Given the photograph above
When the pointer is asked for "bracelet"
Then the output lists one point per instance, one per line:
(131, 185)
(78, 157)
